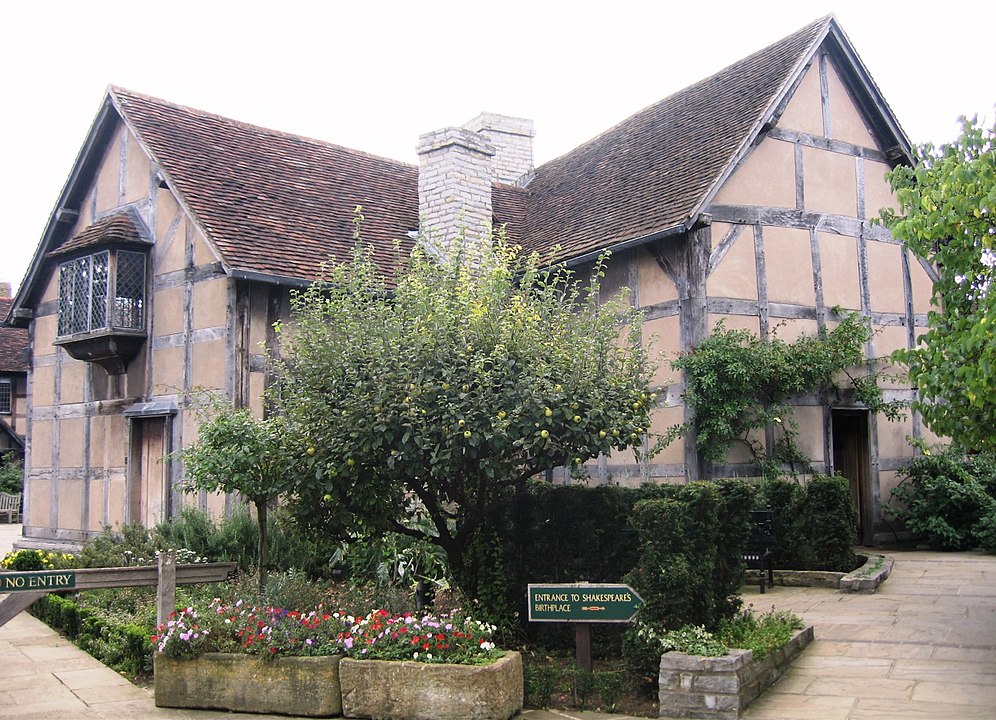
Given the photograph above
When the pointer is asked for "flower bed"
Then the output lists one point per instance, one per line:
(431, 691)
(284, 661)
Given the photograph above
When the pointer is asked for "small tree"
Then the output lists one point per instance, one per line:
(946, 218)
(259, 459)
(444, 394)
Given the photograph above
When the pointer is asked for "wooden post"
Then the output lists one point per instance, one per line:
(582, 644)
(166, 587)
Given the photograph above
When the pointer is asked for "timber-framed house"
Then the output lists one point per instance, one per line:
(747, 197)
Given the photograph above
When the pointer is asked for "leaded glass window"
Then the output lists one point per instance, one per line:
(102, 291)
(5, 396)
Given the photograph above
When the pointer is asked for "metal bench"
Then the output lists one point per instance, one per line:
(758, 555)
(10, 505)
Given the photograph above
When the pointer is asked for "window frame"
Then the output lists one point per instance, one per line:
(6, 396)
(90, 293)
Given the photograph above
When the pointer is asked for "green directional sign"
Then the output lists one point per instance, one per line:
(37, 581)
(583, 603)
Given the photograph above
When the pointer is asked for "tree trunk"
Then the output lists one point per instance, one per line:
(261, 547)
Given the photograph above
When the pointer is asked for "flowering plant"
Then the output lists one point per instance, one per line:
(426, 638)
(38, 560)
(269, 631)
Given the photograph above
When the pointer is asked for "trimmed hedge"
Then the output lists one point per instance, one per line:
(815, 526)
(124, 647)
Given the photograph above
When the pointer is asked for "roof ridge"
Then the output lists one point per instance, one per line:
(120, 92)
(825, 20)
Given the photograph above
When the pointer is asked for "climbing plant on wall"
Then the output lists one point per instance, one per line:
(738, 384)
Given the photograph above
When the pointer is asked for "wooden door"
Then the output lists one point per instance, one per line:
(852, 459)
(148, 494)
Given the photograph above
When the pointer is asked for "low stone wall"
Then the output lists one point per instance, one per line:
(302, 686)
(866, 578)
(720, 688)
(429, 691)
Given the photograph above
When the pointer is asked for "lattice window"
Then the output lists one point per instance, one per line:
(5, 396)
(88, 299)
(129, 296)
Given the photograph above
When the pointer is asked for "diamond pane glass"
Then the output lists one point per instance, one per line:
(98, 290)
(129, 296)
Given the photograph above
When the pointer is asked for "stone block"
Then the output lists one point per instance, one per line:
(405, 690)
(303, 686)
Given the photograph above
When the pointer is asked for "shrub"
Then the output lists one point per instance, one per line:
(11, 475)
(827, 524)
(815, 526)
(689, 571)
(26, 560)
(943, 499)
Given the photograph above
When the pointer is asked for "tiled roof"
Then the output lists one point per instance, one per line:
(274, 203)
(13, 344)
(279, 205)
(116, 229)
(651, 171)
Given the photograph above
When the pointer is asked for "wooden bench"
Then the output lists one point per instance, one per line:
(10, 505)
(758, 554)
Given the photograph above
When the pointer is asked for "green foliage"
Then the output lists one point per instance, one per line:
(946, 217)
(23, 560)
(392, 558)
(452, 389)
(118, 548)
(11, 475)
(116, 640)
(540, 682)
(815, 525)
(762, 634)
(237, 453)
(260, 459)
(945, 499)
(739, 384)
(691, 540)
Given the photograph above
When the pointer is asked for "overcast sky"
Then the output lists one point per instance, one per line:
(374, 75)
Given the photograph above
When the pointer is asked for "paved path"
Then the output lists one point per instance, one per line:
(924, 646)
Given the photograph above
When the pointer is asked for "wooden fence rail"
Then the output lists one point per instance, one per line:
(24, 588)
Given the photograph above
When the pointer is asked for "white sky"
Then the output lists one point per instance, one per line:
(374, 75)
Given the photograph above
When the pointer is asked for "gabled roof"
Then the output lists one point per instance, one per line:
(653, 173)
(14, 344)
(275, 206)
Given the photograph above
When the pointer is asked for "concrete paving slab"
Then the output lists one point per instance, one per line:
(892, 709)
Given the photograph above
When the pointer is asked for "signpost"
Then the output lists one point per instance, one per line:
(582, 604)
(23, 588)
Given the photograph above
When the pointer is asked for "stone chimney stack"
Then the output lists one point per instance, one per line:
(454, 187)
(4, 289)
(512, 139)
(457, 166)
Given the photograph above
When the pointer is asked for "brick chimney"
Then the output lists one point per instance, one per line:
(512, 139)
(454, 188)
(457, 166)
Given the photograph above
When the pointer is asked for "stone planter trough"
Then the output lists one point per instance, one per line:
(407, 690)
(304, 686)
(866, 579)
(720, 688)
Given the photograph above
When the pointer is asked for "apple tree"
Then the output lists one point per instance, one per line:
(947, 200)
(439, 394)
